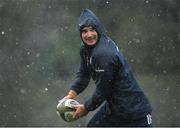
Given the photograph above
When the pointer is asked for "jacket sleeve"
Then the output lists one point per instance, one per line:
(82, 76)
(106, 69)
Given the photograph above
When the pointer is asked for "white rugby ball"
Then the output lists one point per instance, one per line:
(65, 109)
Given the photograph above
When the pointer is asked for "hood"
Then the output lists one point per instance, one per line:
(88, 18)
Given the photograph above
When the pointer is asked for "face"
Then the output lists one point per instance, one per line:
(89, 36)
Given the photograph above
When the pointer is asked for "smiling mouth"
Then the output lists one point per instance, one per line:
(90, 40)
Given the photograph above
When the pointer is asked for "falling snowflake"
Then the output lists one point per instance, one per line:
(14, 116)
(38, 55)
(42, 67)
(107, 2)
(46, 89)
(147, 1)
(132, 60)
(28, 53)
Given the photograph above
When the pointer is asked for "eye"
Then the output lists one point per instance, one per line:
(92, 29)
(83, 31)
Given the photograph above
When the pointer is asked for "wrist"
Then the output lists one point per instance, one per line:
(86, 107)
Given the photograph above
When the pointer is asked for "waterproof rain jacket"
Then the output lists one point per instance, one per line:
(106, 65)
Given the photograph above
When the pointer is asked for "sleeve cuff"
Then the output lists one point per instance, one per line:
(88, 106)
(75, 89)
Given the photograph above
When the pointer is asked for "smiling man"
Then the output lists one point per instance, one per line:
(125, 103)
(89, 35)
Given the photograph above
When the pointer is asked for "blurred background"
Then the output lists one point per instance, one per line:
(39, 55)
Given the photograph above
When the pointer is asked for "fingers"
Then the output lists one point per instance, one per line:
(80, 111)
(76, 106)
(77, 113)
(67, 97)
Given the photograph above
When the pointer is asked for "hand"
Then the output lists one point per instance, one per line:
(65, 98)
(68, 97)
(80, 111)
(71, 95)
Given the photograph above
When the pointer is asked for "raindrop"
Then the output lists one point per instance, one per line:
(66, 8)
(174, 100)
(10, 29)
(129, 42)
(66, 27)
(167, 89)
(46, 89)
(107, 2)
(132, 19)
(164, 71)
(38, 55)
(147, 1)
(30, 108)
(62, 29)
(16, 81)
(28, 53)
(132, 60)
(23, 91)
(2, 33)
(157, 62)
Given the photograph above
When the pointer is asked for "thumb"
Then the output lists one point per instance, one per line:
(75, 114)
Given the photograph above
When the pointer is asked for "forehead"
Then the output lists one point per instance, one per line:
(87, 28)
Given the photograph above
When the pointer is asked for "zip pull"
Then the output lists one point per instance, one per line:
(90, 60)
(87, 59)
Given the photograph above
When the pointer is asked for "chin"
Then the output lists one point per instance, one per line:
(90, 43)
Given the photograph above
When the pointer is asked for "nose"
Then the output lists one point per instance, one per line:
(88, 34)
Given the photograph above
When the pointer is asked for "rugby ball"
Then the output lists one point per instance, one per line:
(65, 109)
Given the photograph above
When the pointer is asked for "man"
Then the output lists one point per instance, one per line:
(124, 101)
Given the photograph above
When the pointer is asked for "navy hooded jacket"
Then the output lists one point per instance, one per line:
(106, 65)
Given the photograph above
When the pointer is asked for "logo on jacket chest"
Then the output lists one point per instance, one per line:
(93, 66)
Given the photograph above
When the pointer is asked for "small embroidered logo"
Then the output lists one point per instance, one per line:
(99, 70)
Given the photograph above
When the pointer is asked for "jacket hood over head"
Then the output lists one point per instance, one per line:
(88, 18)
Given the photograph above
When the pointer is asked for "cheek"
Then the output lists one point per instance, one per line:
(96, 35)
(82, 36)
